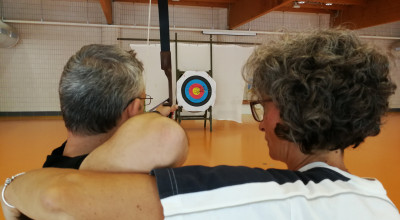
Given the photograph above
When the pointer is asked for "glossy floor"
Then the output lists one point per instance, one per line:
(24, 144)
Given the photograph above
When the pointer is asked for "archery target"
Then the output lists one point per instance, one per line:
(196, 91)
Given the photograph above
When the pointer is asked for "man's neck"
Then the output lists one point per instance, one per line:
(84, 144)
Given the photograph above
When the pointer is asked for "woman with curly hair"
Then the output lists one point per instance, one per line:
(320, 93)
(316, 94)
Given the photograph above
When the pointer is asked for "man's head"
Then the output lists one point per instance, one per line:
(96, 86)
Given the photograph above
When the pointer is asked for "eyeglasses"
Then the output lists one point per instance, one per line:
(147, 100)
(257, 109)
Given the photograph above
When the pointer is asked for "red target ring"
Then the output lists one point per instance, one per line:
(196, 91)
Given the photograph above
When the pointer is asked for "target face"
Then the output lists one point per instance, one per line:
(196, 91)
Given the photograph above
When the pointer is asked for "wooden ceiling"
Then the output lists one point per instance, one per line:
(357, 13)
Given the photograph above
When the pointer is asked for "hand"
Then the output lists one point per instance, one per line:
(165, 110)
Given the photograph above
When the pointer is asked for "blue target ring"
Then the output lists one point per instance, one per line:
(186, 94)
(203, 85)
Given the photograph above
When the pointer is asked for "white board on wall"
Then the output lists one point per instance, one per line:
(229, 60)
(155, 79)
(227, 64)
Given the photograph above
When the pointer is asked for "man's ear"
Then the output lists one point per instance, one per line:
(135, 108)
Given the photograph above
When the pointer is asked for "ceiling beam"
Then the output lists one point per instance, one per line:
(106, 5)
(242, 11)
(375, 12)
(209, 1)
(198, 3)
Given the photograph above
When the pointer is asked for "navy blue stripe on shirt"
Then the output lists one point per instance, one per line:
(191, 179)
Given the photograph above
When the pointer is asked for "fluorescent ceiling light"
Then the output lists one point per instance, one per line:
(230, 32)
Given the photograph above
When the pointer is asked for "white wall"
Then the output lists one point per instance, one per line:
(30, 71)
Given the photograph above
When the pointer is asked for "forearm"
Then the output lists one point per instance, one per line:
(70, 194)
(141, 144)
(26, 193)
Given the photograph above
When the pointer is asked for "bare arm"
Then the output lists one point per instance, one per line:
(52, 193)
(142, 143)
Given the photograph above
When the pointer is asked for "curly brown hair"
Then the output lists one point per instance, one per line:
(330, 88)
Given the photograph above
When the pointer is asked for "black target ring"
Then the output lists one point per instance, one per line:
(184, 93)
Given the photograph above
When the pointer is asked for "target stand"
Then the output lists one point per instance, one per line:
(195, 92)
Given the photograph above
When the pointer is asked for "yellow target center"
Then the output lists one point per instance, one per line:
(196, 90)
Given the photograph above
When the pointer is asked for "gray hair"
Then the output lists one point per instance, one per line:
(330, 88)
(97, 83)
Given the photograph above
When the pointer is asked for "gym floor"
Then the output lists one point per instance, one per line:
(25, 142)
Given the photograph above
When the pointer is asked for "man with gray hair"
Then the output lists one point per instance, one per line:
(101, 87)
(102, 97)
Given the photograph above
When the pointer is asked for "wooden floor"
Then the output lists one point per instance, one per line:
(25, 142)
